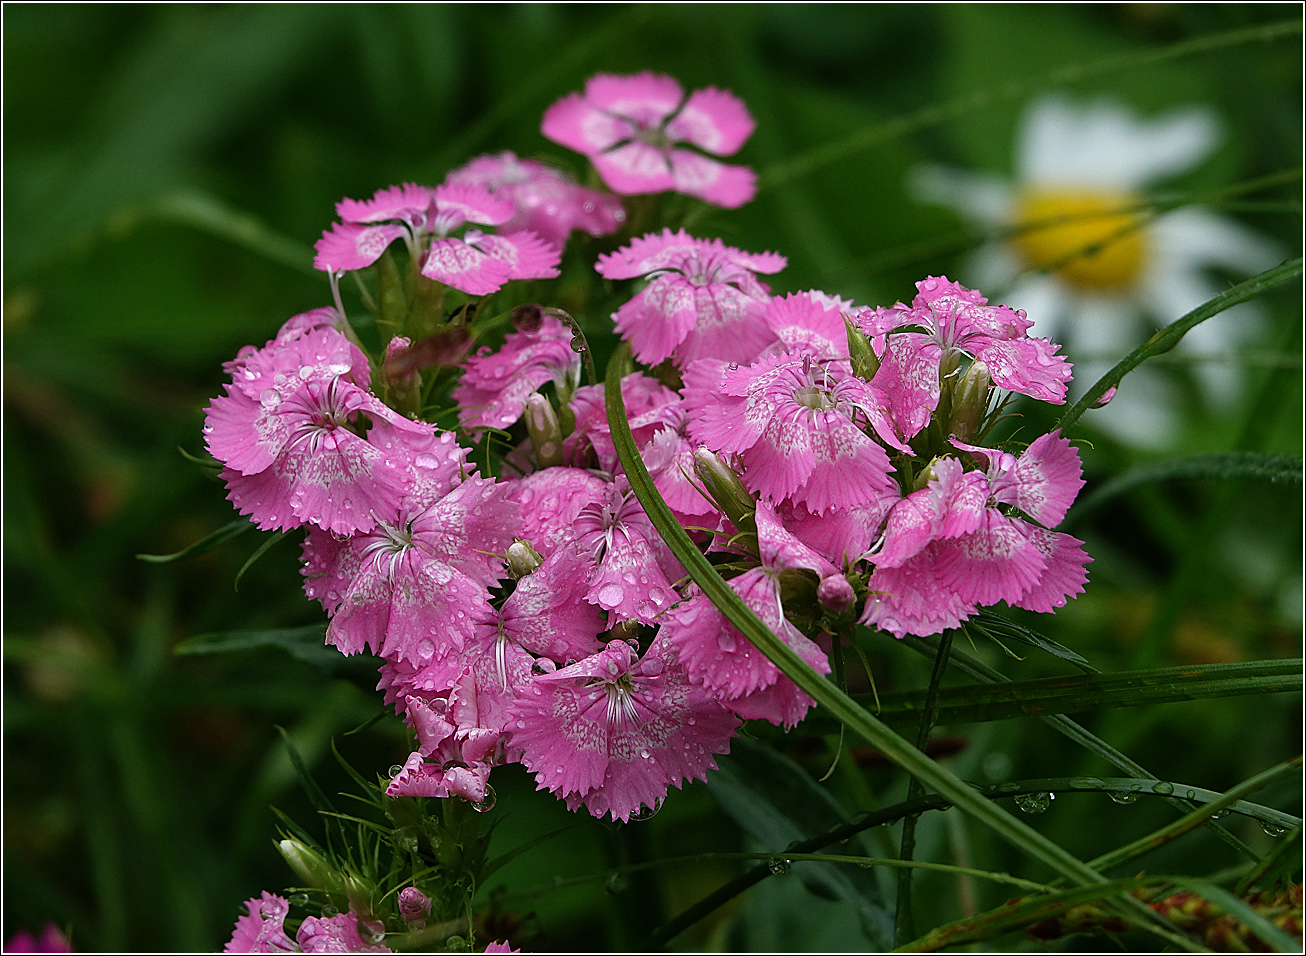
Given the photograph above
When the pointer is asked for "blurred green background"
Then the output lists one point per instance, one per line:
(166, 170)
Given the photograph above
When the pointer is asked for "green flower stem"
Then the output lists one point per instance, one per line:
(1168, 337)
(904, 926)
(877, 734)
(1074, 732)
(1197, 817)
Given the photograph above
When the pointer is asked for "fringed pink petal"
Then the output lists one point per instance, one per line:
(456, 264)
(721, 184)
(634, 169)
(576, 124)
(1065, 575)
(353, 245)
(715, 121)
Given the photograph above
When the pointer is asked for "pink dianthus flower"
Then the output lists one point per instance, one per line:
(944, 322)
(703, 299)
(477, 262)
(495, 385)
(630, 128)
(796, 424)
(613, 733)
(546, 200)
(957, 544)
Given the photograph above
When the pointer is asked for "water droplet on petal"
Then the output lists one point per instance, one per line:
(270, 398)
(645, 812)
(487, 802)
(396, 770)
(610, 595)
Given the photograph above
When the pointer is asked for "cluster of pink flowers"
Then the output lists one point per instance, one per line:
(531, 612)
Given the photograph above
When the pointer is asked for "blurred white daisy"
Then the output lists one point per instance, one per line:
(1111, 275)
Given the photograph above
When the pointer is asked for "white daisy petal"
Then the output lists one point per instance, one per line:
(1199, 237)
(979, 197)
(1104, 146)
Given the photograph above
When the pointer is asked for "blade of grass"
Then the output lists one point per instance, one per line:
(1072, 73)
(1018, 914)
(1085, 693)
(1168, 337)
(904, 927)
(1196, 818)
(1246, 465)
(1074, 732)
(843, 707)
(221, 536)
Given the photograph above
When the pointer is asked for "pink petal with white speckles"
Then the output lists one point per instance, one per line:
(1063, 578)
(713, 120)
(648, 98)
(658, 318)
(466, 269)
(470, 528)
(527, 255)
(634, 168)
(1048, 476)
(408, 203)
(467, 202)
(578, 125)
(721, 184)
(354, 246)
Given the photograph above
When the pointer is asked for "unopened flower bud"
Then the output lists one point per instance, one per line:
(403, 380)
(723, 484)
(522, 559)
(311, 867)
(414, 906)
(865, 364)
(970, 402)
(835, 593)
(546, 434)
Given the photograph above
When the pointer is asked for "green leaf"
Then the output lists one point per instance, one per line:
(844, 708)
(302, 643)
(778, 803)
(1281, 865)
(1091, 692)
(315, 795)
(221, 536)
(199, 210)
(995, 626)
(1168, 337)
(249, 563)
(1247, 465)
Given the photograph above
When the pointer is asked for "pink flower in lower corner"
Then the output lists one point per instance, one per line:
(50, 940)
(632, 128)
(613, 733)
(703, 299)
(262, 930)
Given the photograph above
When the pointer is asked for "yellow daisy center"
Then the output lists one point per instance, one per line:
(1088, 239)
